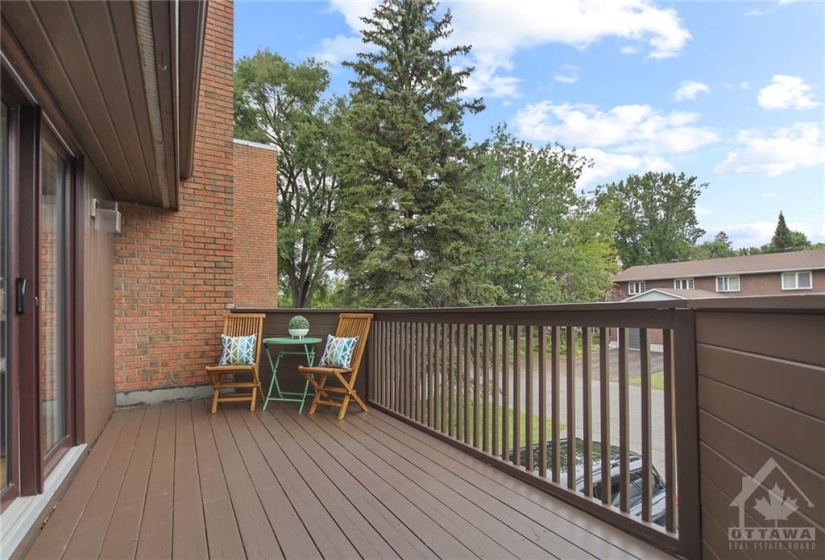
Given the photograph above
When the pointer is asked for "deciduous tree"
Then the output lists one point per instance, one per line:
(657, 216)
(288, 106)
(551, 245)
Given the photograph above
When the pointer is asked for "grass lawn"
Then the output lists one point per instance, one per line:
(657, 381)
(522, 419)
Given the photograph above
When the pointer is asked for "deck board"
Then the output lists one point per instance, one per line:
(121, 538)
(63, 521)
(91, 531)
(155, 538)
(172, 480)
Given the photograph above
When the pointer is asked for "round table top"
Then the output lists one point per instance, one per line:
(289, 340)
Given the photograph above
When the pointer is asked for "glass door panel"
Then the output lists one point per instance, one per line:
(5, 392)
(52, 300)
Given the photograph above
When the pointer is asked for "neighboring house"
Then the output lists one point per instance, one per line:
(125, 102)
(754, 275)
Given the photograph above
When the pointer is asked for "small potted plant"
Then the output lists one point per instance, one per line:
(298, 326)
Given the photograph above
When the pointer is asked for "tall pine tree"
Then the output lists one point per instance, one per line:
(781, 239)
(411, 228)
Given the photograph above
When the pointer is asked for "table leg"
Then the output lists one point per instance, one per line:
(274, 380)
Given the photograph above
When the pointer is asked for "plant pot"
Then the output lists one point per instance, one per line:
(298, 333)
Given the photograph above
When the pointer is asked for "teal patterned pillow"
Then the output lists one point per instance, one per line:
(338, 353)
(238, 350)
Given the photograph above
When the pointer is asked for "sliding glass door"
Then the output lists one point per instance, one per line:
(52, 298)
(6, 451)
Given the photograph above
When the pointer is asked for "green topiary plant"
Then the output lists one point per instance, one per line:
(298, 322)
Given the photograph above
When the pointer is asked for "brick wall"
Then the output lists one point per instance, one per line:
(173, 270)
(749, 285)
(256, 225)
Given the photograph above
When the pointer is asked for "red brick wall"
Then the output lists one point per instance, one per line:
(749, 285)
(256, 226)
(173, 270)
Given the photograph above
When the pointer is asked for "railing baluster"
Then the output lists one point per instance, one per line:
(647, 452)
(528, 408)
(431, 361)
(450, 386)
(505, 400)
(466, 377)
(516, 393)
(604, 411)
(624, 424)
(670, 432)
(496, 390)
(443, 392)
(476, 370)
(555, 400)
(587, 413)
(571, 408)
(542, 402)
(485, 387)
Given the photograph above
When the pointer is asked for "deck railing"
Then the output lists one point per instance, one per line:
(542, 392)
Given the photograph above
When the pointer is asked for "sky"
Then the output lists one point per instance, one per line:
(730, 92)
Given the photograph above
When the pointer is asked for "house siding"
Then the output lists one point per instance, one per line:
(256, 226)
(98, 319)
(174, 270)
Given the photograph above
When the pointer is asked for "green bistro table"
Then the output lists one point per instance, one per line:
(289, 346)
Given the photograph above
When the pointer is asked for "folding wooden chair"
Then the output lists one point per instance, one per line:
(237, 359)
(349, 325)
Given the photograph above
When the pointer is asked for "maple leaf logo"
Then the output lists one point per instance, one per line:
(776, 507)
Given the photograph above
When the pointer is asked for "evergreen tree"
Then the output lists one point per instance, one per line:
(411, 229)
(782, 238)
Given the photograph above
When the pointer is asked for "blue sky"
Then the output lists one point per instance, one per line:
(731, 92)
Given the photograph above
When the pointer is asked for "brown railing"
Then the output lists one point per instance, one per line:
(540, 391)
(741, 380)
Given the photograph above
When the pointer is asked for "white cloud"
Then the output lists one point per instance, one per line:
(625, 139)
(607, 166)
(624, 128)
(570, 74)
(335, 50)
(795, 147)
(497, 29)
(756, 12)
(787, 92)
(690, 89)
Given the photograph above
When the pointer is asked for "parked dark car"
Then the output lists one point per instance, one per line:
(658, 501)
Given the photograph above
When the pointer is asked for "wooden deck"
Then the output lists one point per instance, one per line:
(174, 481)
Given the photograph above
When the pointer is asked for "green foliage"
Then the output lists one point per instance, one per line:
(412, 228)
(287, 106)
(657, 216)
(781, 237)
(549, 245)
(721, 247)
(786, 240)
(298, 322)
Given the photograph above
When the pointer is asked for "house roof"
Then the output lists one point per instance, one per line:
(677, 294)
(751, 264)
(124, 78)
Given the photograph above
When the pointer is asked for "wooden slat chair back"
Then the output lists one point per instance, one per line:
(224, 377)
(342, 388)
